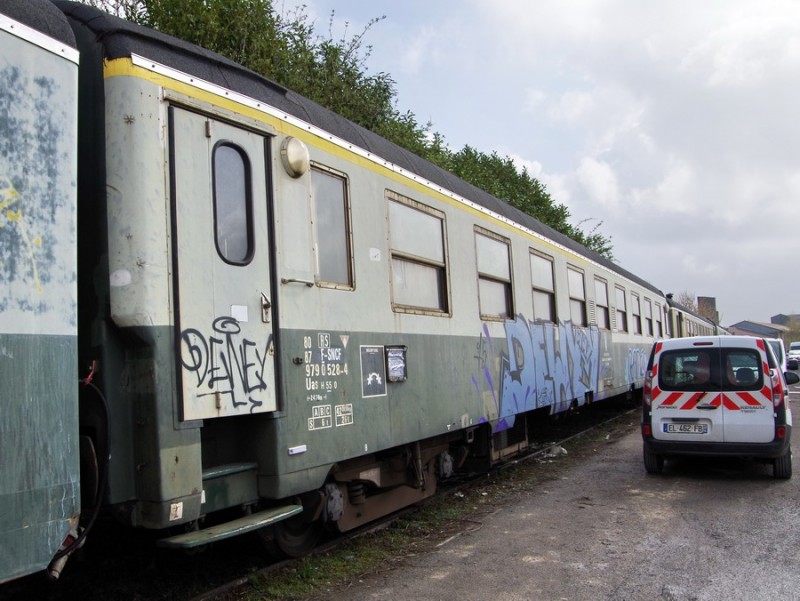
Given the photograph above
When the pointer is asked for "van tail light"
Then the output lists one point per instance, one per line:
(777, 387)
(648, 388)
(780, 432)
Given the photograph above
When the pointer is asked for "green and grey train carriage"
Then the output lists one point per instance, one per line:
(289, 315)
(39, 470)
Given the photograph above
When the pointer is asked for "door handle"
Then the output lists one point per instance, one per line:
(266, 305)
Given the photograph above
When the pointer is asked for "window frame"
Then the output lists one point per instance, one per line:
(636, 313)
(622, 314)
(659, 329)
(319, 280)
(442, 267)
(600, 308)
(248, 202)
(536, 288)
(575, 299)
(648, 317)
(507, 283)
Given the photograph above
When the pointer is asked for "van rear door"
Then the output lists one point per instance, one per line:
(747, 391)
(687, 392)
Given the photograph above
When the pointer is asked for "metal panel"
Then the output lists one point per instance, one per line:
(39, 473)
(224, 300)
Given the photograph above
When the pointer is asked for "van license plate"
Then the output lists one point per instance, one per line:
(686, 428)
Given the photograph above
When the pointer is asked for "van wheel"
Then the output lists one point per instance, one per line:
(782, 466)
(653, 463)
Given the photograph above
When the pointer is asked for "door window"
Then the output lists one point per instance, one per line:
(232, 203)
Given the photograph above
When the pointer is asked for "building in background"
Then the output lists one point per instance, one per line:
(755, 328)
(707, 307)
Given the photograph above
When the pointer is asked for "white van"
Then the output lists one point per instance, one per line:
(716, 395)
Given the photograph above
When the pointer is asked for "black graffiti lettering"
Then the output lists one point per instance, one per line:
(252, 378)
(214, 367)
(233, 365)
(193, 342)
(254, 404)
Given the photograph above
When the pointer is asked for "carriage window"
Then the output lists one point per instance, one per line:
(232, 203)
(577, 297)
(622, 311)
(331, 227)
(648, 317)
(601, 304)
(419, 266)
(636, 314)
(659, 326)
(544, 291)
(494, 276)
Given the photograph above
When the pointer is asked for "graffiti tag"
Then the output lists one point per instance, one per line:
(226, 363)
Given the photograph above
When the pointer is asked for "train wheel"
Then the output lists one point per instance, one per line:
(294, 537)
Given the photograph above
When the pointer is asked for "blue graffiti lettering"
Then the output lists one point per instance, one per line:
(542, 365)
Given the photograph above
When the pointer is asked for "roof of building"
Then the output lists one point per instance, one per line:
(760, 328)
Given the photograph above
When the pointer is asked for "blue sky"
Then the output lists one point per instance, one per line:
(675, 124)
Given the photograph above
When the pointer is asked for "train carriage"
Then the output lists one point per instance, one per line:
(287, 316)
(39, 470)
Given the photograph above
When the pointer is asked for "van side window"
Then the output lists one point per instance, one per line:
(419, 263)
(232, 203)
(331, 228)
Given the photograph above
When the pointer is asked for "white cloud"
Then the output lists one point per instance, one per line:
(572, 106)
(534, 98)
(599, 181)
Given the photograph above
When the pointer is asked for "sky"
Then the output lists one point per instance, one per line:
(674, 127)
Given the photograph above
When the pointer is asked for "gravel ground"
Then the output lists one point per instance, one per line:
(705, 530)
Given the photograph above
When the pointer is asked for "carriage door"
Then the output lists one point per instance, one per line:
(223, 300)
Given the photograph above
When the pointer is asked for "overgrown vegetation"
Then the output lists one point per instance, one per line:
(333, 72)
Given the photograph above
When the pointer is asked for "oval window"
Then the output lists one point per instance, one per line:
(232, 199)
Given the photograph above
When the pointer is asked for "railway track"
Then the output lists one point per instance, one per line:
(118, 563)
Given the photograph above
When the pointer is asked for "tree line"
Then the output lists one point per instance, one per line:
(286, 48)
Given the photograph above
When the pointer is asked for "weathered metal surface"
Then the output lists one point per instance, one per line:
(39, 468)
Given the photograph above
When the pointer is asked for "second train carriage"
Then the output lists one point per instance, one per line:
(289, 315)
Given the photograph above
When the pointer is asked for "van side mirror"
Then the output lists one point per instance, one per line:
(791, 377)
